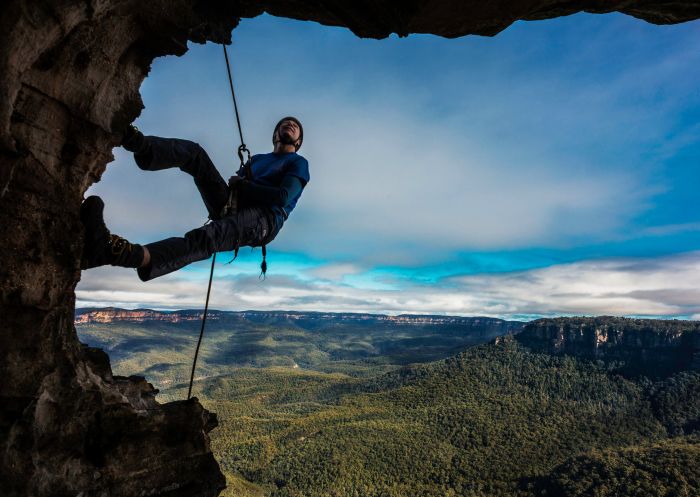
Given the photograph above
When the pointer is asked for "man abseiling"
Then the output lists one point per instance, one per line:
(264, 199)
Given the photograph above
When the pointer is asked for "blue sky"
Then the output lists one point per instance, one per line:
(550, 170)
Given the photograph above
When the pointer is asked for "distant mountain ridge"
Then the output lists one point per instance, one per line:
(652, 347)
(112, 314)
(148, 339)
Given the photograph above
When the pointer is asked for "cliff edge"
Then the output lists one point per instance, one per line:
(650, 347)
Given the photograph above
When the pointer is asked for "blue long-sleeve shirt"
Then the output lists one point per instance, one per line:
(277, 182)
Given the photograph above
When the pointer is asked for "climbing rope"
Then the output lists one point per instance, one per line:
(201, 331)
(230, 207)
(242, 148)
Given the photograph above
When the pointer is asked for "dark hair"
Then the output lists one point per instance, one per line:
(289, 118)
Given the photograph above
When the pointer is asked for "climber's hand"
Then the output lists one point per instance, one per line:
(234, 182)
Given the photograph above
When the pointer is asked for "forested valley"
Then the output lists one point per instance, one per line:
(374, 408)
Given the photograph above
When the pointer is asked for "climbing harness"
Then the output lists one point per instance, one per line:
(230, 208)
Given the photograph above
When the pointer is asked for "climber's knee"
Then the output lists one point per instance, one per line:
(197, 159)
(203, 240)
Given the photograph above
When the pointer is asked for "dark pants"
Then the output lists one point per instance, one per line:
(252, 226)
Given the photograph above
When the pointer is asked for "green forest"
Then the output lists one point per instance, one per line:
(493, 420)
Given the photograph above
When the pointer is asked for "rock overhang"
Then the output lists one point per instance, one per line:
(453, 18)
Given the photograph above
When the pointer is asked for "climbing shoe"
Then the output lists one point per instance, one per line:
(133, 140)
(102, 247)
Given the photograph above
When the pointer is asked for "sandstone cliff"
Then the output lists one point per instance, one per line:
(634, 346)
(110, 315)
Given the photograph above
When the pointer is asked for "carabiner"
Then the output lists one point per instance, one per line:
(243, 149)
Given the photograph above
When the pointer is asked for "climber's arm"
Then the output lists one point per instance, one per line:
(253, 194)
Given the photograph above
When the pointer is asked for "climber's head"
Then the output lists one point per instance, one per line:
(288, 131)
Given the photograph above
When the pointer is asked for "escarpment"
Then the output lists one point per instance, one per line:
(70, 72)
(634, 346)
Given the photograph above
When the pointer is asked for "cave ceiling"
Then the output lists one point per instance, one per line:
(453, 18)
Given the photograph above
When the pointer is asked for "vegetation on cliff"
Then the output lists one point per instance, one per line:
(494, 420)
(498, 419)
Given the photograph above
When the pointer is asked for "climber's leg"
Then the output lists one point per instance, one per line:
(248, 227)
(153, 153)
(101, 247)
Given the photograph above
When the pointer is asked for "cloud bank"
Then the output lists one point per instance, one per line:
(428, 155)
(662, 287)
(422, 147)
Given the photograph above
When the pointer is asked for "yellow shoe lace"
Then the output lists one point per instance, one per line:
(118, 245)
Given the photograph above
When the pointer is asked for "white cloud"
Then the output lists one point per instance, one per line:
(668, 286)
(384, 196)
(335, 271)
(515, 156)
(423, 148)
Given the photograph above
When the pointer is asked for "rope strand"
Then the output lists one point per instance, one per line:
(233, 95)
(201, 331)
(241, 149)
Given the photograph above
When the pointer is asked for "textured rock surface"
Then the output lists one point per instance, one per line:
(115, 315)
(69, 77)
(639, 346)
(453, 18)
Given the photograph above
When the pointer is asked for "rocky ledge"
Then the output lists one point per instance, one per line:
(651, 347)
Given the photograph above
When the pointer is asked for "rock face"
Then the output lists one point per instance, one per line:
(651, 347)
(111, 314)
(69, 77)
(451, 19)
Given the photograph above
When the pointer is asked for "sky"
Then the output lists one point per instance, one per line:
(550, 170)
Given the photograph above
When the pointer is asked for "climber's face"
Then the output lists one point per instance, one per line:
(288, 132)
